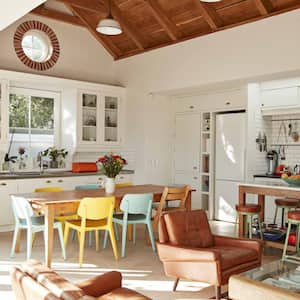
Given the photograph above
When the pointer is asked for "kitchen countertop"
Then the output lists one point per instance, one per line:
(266, 176)
(45, 174)
(275, 185)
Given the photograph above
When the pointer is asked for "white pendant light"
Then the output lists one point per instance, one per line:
(109, 26)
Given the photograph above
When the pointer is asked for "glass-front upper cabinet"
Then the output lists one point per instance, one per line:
(89, 118)
(3, 113)
(111, 120)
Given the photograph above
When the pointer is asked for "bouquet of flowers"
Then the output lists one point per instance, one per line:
(112, 164)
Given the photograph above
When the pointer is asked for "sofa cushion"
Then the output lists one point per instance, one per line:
(232, 256)
(189, 228)
(56, 284)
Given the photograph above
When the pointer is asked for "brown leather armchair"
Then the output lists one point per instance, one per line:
(189, 250)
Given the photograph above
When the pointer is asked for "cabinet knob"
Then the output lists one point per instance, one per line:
(48, 181)
(194, 168)
(3, 183)
(262, 104)
(60, 180)
(228, 103)
(195, 177)
(192, 107)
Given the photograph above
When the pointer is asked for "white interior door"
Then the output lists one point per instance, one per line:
(187, 142)
(230, 146)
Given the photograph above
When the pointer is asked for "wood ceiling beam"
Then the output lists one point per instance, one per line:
(209, 14)
(102, 39)
(91, 5)
(128, 28)
(56, 15)
(264, 6)
(168, 25)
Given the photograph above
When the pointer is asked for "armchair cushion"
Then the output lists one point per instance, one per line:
(189, 229)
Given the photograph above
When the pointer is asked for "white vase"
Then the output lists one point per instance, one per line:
(110, 185)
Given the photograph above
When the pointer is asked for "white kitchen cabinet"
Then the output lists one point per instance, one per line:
(100, 119)
(187, 142)
(283, 97)
(7, 187)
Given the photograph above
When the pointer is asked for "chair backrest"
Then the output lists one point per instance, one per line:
(186, 228)
(137, 204)
(87, 187)
(123, 184)
(48, 189)
(175, 194)
(96, 208)
(22, 209)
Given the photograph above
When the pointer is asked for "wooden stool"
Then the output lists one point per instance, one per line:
(250, 210)
(285, 204)
(293, 218)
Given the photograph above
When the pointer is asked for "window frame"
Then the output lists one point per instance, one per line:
(31, 92)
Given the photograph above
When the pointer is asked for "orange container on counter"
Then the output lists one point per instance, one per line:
(81, 167)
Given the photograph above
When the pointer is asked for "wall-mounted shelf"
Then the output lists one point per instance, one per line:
(284, 120)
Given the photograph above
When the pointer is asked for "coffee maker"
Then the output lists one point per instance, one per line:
(272, 159)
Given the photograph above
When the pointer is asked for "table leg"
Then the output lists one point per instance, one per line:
(261, 202)
(242, 201)
(49, 220)
(188, 201)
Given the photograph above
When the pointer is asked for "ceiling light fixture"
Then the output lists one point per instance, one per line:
(109, 26)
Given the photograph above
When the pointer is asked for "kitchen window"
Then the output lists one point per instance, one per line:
(33, 120)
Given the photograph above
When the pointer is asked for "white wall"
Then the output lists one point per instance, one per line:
(81, 56)
(256, 50)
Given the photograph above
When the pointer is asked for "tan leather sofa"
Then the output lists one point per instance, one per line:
(242, 288)
(189, 250)
(35, 281)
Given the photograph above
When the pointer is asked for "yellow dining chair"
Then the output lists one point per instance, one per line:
(123, 184)
(56, 189)
(96, 214)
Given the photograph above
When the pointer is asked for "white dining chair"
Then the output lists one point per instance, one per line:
(26, 219)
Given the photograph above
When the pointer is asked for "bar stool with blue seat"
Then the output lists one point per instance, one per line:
(285, 204)
(249, 211)
(293, 219)
(136, 209)
(25, 219)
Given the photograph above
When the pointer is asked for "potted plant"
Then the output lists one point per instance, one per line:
(111, 165)
(55, 154)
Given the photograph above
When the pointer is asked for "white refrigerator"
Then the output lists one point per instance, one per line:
(230, 148)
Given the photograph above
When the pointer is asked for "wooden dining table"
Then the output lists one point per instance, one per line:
(66, 202)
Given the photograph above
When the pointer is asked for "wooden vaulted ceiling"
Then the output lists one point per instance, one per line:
(150, 24)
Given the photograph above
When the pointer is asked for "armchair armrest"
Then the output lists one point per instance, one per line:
(237, 242)
(169, 252)
(102, 284)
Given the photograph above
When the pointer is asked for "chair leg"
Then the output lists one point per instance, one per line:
(113, 242)
(250, 227)
(134, 233)
(282, 218)
(90, 234)
(81, 247)
(66, 234)
(175, 284)
(97, 239)
(275, 216)
(286, 241)
(61, 240)
(218, 292)
(14, 243)
(105, 239)
(116, 231)
(124, 236)
(151, 236)
(29, 243)
(259, 228)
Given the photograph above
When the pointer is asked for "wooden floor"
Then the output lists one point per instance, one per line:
(141, 268)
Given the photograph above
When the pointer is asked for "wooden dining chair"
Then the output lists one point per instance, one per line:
(96, 214)
(176, 196)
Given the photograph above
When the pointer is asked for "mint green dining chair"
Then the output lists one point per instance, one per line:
(25, 219)
(87, 187)
(136, 209)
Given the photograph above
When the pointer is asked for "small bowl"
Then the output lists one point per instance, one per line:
(293, 182)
